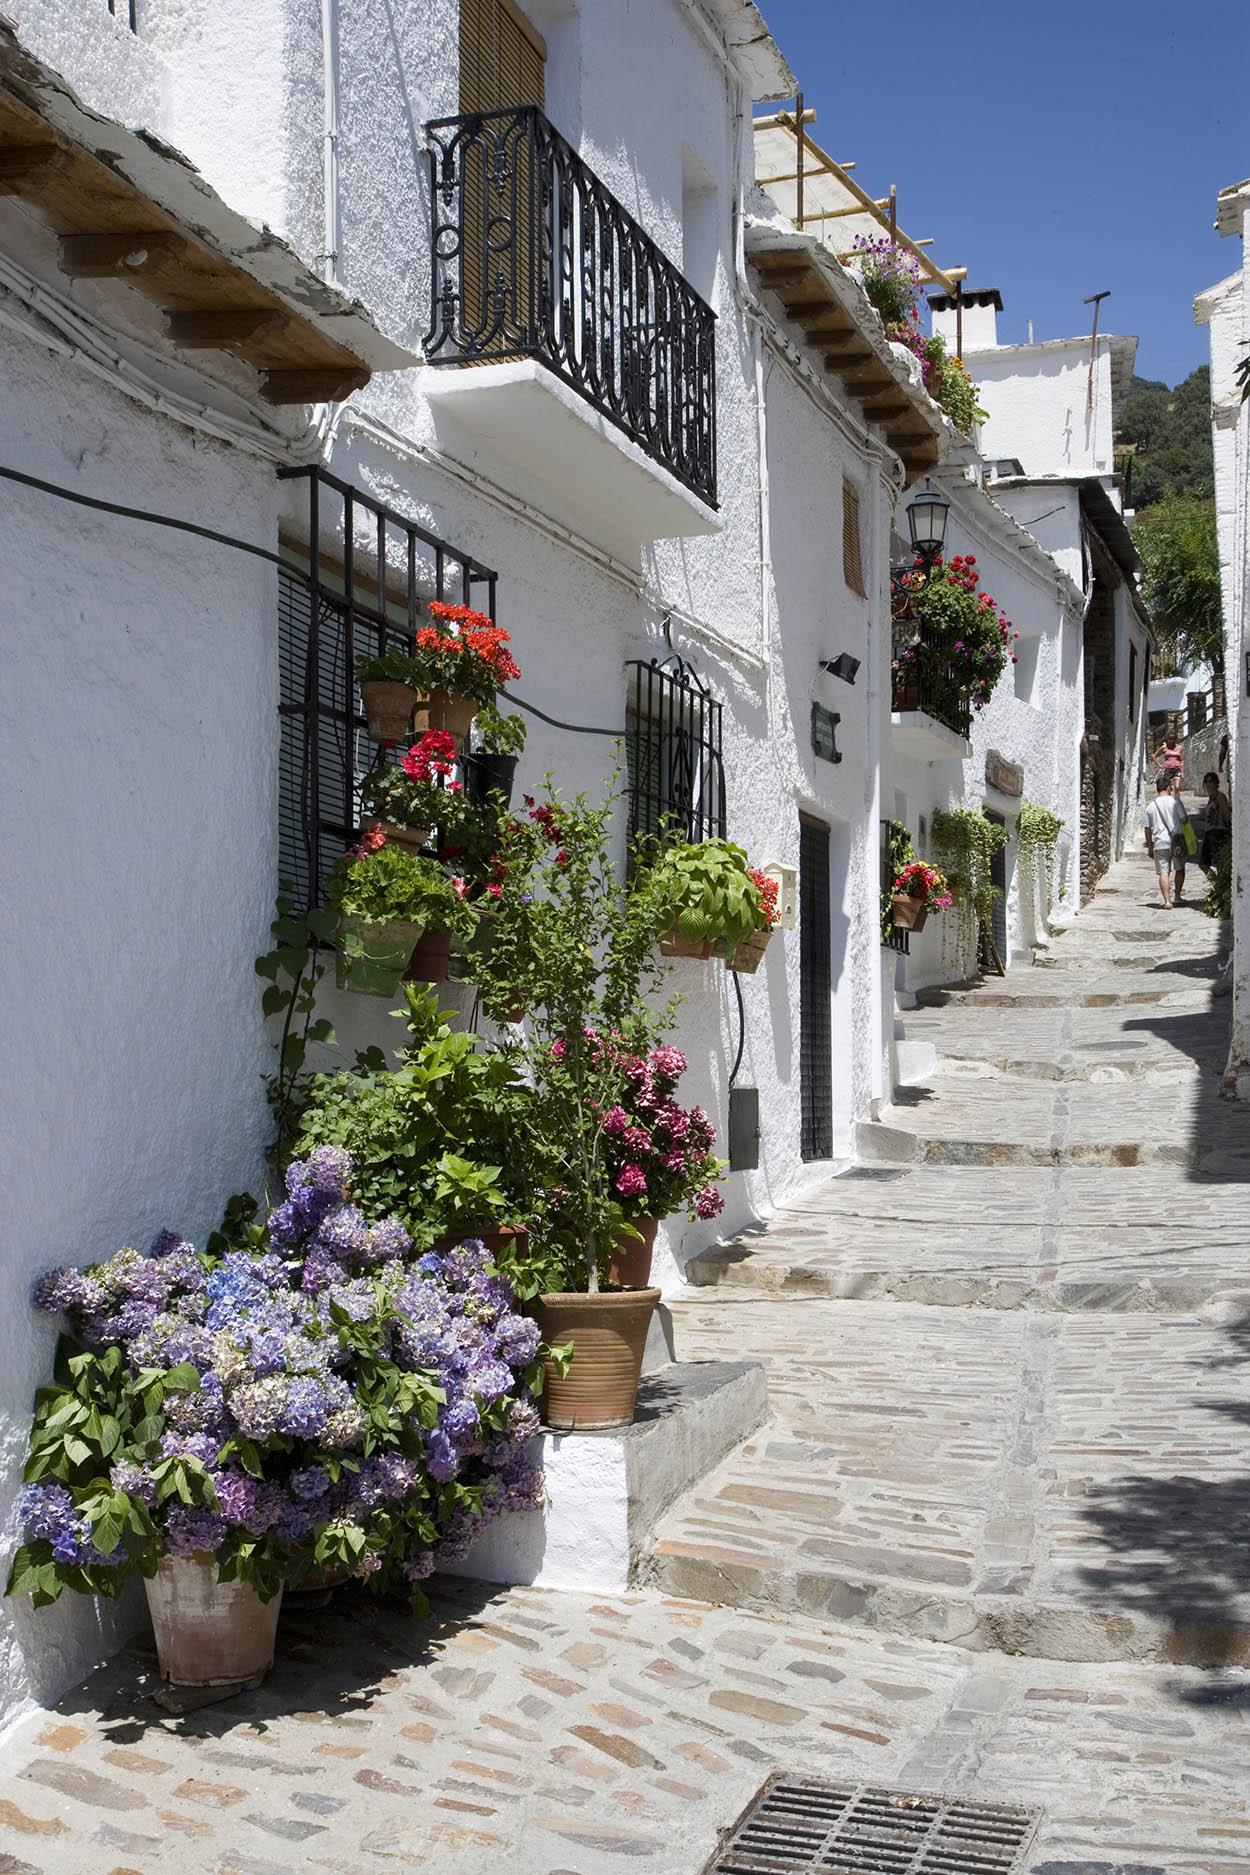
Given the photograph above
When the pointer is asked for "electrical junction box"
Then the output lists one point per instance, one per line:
(787, 878)
(744, 1129)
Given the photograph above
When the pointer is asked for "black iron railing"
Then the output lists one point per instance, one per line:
(895, 937)
(531, 256)
(939, 694)
(127, 10)
(673, 753)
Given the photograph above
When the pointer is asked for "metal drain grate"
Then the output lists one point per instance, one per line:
(799, 1827)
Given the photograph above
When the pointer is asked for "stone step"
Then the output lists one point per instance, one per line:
(1068, 1487)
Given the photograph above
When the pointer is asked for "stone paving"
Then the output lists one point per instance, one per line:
(991, 1543)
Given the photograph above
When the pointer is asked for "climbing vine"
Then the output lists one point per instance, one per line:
(964, 844)
(1037, 835)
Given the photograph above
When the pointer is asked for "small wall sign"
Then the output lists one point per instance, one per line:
(1007, 777)
(825, 733)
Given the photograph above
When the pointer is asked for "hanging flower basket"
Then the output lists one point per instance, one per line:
(630, 1265)
(374, 957)
(388, 708)
(747, 955)
(446, 710)
(608, 1333)
(208, 1632)
(673, 944)
(909, 913)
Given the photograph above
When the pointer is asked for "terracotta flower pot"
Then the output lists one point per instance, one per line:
(373, 958)
(416, 839)
(608, 1333)
(747, 956)
(388, 708)
(498, 1239)
(430, 958)
(445, 709)
(209, 1633)
(910, 913)
(673, 944)
(631, 1256)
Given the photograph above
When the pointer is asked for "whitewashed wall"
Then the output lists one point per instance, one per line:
(1037, 400)
(138, 758)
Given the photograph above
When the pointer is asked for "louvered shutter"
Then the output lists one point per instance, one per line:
(502, 65)
(852, 563)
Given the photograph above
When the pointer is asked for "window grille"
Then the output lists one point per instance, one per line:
(852, 563)
(1132, 683)
(127, 10)
(895, 937)
(363, 595)
(815, 993)
(673, 753)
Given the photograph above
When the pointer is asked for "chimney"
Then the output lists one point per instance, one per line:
(980, 318)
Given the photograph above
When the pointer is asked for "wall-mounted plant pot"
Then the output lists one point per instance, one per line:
(608, 1333)
(486, 774)
(910, 913)
(209, 1633)
(630, 1264)
(430, 958)
(447, 710)
(373, 958)
(673, 944)
(415, 839)
(388, 709)
(747, 956)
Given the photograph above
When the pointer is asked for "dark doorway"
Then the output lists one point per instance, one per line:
(998, 879)
(816, 988)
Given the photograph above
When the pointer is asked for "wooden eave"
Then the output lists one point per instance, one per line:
(109, 227)
(851, 353)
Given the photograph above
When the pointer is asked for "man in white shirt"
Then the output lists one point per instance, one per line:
(1165, 842)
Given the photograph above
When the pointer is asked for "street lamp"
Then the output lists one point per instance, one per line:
(926, 520)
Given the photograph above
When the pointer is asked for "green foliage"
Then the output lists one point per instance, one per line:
(950, 386)
(392, 885)
(705, 891)
(1180, 552)
(291, 972)
(498, 735)
(1037, 829)
(393, 667)
(899, 852)
(1165, 434)
(444, 1140)
(965, 843)
(1218, 901)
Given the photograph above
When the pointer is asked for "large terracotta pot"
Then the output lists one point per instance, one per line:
(911, 913)
(388, 708)
(209, 1633)
(430, 958)
(445, 709)
(630, 1265)
(673, 944)
(374, 957)
(747, 956)
(609, 1333)
(495, 1239)
(415, 839)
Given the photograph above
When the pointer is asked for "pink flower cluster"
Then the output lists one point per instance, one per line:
(659, 1153)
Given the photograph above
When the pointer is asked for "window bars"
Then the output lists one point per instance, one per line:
(531, 256)
(895, 937)
(363, 595)
(127, 7)
(673, 753)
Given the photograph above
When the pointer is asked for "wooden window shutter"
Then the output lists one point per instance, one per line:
(852, 563)
(502, 57)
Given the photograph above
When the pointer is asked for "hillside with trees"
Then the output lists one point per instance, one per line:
(1163, 441)
(1163, 450)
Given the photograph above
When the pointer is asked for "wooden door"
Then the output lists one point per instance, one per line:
(502, 66)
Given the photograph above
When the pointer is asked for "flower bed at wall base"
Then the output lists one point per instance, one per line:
(322, 1396)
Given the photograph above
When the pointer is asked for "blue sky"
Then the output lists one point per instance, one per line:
(1054, 150)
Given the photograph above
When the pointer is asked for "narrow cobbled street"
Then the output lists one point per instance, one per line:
(992, 1540)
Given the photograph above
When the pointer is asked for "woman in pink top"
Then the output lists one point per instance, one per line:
(1171, 759)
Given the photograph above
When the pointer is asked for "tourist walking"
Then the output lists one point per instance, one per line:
(1171, 761)
(1166, 820)
(1219, 820)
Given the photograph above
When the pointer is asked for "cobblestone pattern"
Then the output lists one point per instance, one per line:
(549, 1735)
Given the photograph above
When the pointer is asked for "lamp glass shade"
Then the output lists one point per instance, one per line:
(926, 518)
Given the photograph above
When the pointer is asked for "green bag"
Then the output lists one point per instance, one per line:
(1189, 836)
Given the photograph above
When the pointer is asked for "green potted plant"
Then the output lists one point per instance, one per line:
(459, 662)
(748, 953)
(578, 942)
(388, 693)
(408, 799)
(499, 743)
(388, 899)
(918, 890)
(705, 897)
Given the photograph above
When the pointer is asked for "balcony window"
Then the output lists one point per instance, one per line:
(533, 258)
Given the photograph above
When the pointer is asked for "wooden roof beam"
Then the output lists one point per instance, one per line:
(327, 384)
(884, 405)
(24, 168)
(118, 256)
(222, 330)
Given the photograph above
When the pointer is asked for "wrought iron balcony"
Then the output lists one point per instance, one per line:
(939, 694)
(532, 257)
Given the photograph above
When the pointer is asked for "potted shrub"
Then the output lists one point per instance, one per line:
(459, 662)
(388, 899)
(917, 890)
(748, 953)
(705, 897)
(580, 945)
(409, 798)
(319, 1400)
(962, 641)
(388, 693)
(491, 768)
